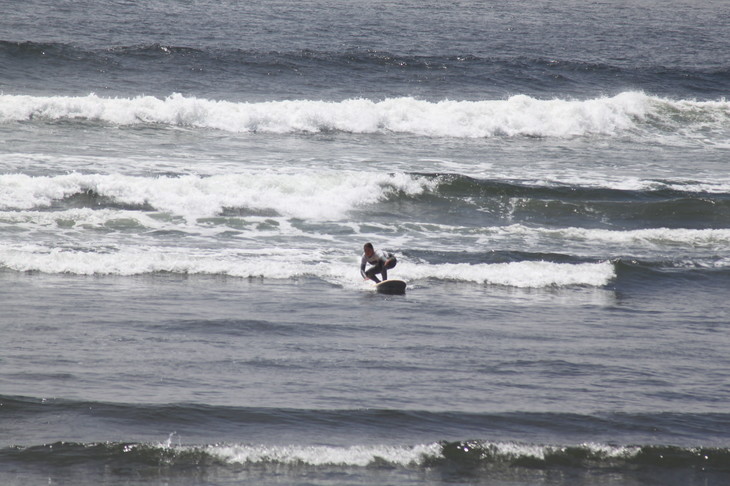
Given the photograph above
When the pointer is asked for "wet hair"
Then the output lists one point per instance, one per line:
(367, 245)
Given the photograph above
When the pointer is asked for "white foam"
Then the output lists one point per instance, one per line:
(515, 450)
(517, 116)
(78, 217)
(284, 264)
(649, 238)
(368, 455)
(89, 241)
(138, 260)
(356, 455)
(311, 194)
(516, 274)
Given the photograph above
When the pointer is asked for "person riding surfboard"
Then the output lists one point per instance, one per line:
(381, 262)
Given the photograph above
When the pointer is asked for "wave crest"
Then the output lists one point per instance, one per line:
(463, 455)
(519, 115)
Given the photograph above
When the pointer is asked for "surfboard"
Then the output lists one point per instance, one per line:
(392, 286)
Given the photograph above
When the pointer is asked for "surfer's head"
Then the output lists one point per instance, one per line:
(368, 249)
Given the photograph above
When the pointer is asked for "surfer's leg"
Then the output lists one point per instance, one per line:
(384, 272)
(371, 273)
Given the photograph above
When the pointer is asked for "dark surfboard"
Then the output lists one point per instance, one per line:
(391, 287)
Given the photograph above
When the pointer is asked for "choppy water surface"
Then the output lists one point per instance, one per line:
(185, 189)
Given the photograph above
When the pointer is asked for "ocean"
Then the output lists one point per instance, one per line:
(186, 187)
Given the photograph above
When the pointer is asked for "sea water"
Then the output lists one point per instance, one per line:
(186, 186)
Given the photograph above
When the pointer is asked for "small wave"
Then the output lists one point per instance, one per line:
(679, 426)
(571, 235)
(464, 72)
(286, 265)
(625, 114)
(585, 456)
(473, 457)
(599, 189)
(682, 237)
(593, 203)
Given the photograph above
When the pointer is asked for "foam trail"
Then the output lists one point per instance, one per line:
(517, 274)
(519, 115)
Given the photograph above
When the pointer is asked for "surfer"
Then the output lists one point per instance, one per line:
(381, 262)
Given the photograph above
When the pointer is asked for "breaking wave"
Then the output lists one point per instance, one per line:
(626, 114)
(474, 457)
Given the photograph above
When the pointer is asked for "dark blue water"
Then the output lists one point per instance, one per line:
(186, 186)
(334, 50)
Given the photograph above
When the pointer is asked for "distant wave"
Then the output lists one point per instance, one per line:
(357, 64)
(351, 56)
(626, 114)
(683, 428)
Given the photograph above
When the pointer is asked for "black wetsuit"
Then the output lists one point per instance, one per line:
(378, 265)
